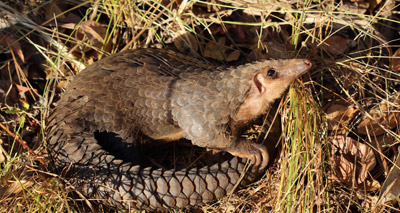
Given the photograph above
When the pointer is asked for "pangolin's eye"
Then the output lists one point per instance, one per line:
(271, 73)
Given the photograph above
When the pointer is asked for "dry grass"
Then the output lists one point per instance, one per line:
(43, 45)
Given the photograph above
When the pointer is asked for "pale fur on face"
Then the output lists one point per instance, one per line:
(266, 87)
(260, 97)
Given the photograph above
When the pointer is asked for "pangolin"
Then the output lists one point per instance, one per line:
(166, 96)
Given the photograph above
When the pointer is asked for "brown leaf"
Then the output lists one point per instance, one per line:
(396, 61)
(384, 140)
(186, 41)
(8, 40)
(215, 29)
(62, 84)
(335, 45)
(53, 10)
(14, 187)
(370, 185)
(3, 154)
(277, 50)
(373, 3)
(233, 56)
(357, 7)
(352, 161)
(381, 116)
(214, 50)
(69, 22)
(94, 31)
(391, 187)
(8, 93)
(23, 90)
(339, 115)
(276, 43)
(240, 33)
(257, 54)
(70, 26)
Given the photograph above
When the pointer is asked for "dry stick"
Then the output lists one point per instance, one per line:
(23, 143)
(148, 24)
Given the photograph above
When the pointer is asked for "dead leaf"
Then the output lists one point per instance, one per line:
(373, 3)
(257, 54)
(277, 50)
(335, 45)
(69, 22)
(240, 33)
(276, 43)
(3, 153)
(62, 84)
(391, 187)
(339, 115)
(186, 41)
(71, 18)
(14, 187)
(233, 56)
(8, 93)
(381, 116)
(352, 162)
(396, 61)
(22, 90)
(214, 50)
(358, 7)
(215, 29)
(384, 140)
(8, 40)
(370, 185)
(53, 10)
(95, 32)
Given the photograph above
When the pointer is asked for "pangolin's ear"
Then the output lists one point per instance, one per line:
(258, 84)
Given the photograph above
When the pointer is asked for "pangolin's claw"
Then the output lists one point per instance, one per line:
(256, 153)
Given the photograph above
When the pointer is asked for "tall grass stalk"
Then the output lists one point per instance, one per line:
(302, 156)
